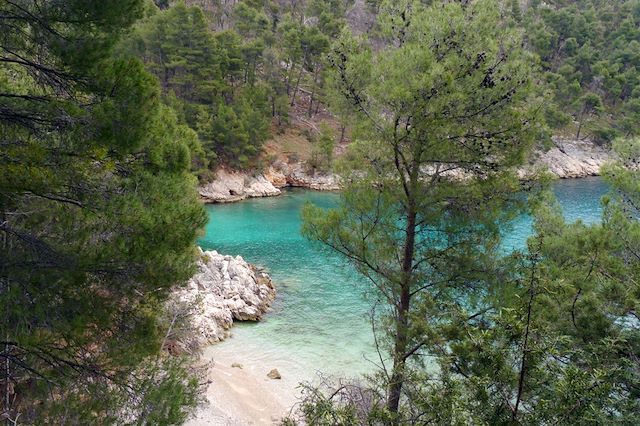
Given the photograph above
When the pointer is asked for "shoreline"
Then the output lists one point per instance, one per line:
(246, 396)
(237, 199)
(243, 396)
(567, 159)
(240, 392)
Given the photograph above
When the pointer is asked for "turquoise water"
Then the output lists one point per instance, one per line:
(319, 320)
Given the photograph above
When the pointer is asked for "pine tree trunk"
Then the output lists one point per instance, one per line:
(4, 288)
(295, 90)
(394, 390)
(313, 91)
(289, 75)
(310, 110)
(580, 121)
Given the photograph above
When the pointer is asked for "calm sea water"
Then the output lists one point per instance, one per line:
(319, 320)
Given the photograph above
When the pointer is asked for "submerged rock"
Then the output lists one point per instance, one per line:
(225, 289)
(274, 374)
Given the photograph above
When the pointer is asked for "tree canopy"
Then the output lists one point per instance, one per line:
(112, 112)
(407, 221)
(589, 49)
(98, 218)
(468, 333)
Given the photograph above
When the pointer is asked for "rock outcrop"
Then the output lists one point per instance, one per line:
(570, 158)
(277, 176)
(229, 187)
(298, 175)
(225, 289)
(274, 374)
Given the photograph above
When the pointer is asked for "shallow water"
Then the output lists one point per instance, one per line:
(319, 320)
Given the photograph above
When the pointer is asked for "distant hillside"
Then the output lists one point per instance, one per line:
(243, 72)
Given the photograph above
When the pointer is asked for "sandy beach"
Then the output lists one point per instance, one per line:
(245, 396)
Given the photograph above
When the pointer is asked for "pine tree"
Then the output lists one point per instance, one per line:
(442, 117)
(98, 218)
(204, 75)
(555, 337)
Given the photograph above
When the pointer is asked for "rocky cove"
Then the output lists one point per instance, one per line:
(232, 186)
(319, 321)
(567, 158)
(242, 389)
(224, 289)
(227, 288)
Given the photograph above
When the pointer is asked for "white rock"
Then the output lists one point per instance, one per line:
(235, 186)
(567, 159)
(225, 289)
(299, 176)
(574, 158)
(229, 187)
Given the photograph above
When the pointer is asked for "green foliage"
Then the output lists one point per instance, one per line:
(406, 221)
(322, 153)
(220, 67)
(589, 47)
(588, 104)
(556, 337)
(209, 57)
(199, 73)
(551, 336)
(98, 218)
(556, 118)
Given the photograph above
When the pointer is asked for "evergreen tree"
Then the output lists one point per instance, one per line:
(589, 47)
(556, 337)
(98, 218)
(322, 153)
(204, 75)
(443, 118)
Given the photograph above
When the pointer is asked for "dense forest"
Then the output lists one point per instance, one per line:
(112, 111)
(235, 71)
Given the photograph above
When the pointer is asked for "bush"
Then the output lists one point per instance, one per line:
(556, 118)
(322, 153)
(341, 403)
(604, 135)
(308, 134)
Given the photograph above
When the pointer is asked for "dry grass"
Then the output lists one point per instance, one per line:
(292, 142)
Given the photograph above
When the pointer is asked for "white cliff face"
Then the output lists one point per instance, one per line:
(574, 159)
(225, 289)
(229, 187)
(298, 175)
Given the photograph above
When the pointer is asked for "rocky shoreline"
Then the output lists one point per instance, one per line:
(568, 158)
(225, 289)
(233, 186)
